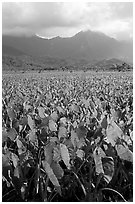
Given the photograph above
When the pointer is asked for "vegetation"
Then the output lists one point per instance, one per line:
(24, 62)
(67, 137)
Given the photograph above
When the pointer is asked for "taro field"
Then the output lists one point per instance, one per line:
(67, 137)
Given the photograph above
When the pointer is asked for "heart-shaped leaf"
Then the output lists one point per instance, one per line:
(41, 112)
(80, 153)
(48, 150)
(4, 135)
(56, 154)
(81, 131)
(11, 113)
(15, 159)
(97, 155)
(52, 176)
(124, 153)
(74, 138)
(52, 126)
(31, 122)
(32, 136)
(113, 133)
(54, 116)
(58, 171)
(12, 134)
(21, 147)
(65, 155)
(108, 167)
(62, 132)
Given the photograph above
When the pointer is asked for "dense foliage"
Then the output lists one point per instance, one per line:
(24, 63)
(67, 137)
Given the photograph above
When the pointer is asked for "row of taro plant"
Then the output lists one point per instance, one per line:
(76, 150)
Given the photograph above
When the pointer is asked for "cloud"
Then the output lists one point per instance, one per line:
(122, 10)
(65, 19)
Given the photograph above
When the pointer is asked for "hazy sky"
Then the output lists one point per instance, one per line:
(51, 19)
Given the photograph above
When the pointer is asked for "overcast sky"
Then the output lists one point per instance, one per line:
(49, 19)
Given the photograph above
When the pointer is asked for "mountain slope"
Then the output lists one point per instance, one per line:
(8, 50)
(87, 45)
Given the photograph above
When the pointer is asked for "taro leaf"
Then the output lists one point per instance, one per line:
(81, 132)
(43, 134)
(4, 135)
(86, 103)
(92, 105)
(26, 106)
(24, 158)
(82, 116)
(23, 190)
(97, 140)
(60, 109)
(16, 172)
(103, 104)
(98, 133)
(32, 135)
(114, 114)
(75, 124)
(54, 139)
(127, 139)
(74, 108)
(108, 167)
(80, 153)
(65, 155)
(21, 147)
(11, 114)
(31, 122)
(98, 154)
(45, 121)
(23, 121)
(95, 113)
(12, 134)
(104, 122)
(113, 132)
(15, 123)
(97, 101)
(124, 153)
(54, 116)
(68, 143)
(62, 132)
(52, 176)
(39, 90)
(81, 124)
(41, 112)
(48, 150)
(49, 189)
(20, 128)
(20, 94)
(131, 136)
(101, 152)
(6, 166)
(52, 126)
(74, 138)
(5, 160)
(87, 121)
(63, 121)
(80, 143)
(56, 154)
(58, 171)
(15, 159)
(109, 150)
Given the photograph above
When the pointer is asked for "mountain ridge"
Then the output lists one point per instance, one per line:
(85, 45)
